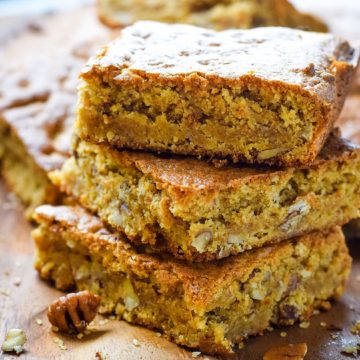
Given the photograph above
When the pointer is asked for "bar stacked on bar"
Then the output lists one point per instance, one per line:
(210, 181)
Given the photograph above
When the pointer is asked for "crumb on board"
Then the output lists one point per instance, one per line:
(14, 341)
(103, 322)
(355, 329)
(4, 292)
(136, 342)
(60, 343)
(17, 281)
(350, 349)
(99, 356)
(326, 305)
(289, 351)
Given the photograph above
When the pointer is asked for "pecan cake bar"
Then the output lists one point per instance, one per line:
(35, 140)
(266, 95)
(208, 306)
(37, 109)
(199, 212)
(218, 14)
(38, 101)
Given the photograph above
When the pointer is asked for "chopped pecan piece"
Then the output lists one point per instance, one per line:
(287, 352)
(14, 341)
(73, 312)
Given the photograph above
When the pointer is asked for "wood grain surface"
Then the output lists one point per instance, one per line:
(24, 298)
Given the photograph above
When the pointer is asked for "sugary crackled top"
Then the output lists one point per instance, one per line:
(195, 277)
(272, 53)
(190, 174)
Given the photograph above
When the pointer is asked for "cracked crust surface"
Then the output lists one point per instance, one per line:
(203, 302)
(192, 91)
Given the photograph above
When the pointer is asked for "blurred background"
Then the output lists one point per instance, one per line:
(14, 14)
(30, 7)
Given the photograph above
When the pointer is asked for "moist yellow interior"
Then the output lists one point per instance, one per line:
(209, 224)
(254, 122)
(280, 289)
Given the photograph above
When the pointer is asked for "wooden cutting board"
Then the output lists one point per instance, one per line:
(24, 298)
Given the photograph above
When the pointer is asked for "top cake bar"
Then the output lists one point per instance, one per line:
(217, 14)
(266, 95)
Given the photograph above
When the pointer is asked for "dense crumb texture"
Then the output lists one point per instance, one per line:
(209, 307)
(209, 13)
(38, 105)
(267, 95)
(194, 210)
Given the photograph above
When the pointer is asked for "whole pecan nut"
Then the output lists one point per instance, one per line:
(73, 312)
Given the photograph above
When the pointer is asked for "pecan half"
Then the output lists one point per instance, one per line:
(73, 312)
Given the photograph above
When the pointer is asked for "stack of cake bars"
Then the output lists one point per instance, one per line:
(210, 181)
